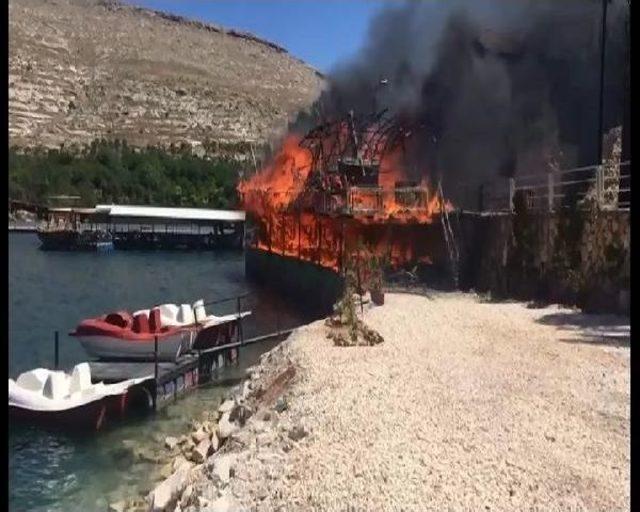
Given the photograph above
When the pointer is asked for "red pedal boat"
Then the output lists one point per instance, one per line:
(121, 335)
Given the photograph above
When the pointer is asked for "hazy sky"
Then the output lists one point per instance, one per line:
(320, 32)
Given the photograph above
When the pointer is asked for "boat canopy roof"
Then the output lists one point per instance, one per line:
(170, 213)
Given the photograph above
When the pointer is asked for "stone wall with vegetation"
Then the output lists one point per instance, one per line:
(577, 256)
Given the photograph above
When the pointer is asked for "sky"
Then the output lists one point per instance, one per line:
(320, 32)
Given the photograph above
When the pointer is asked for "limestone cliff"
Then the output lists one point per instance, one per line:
(79, 70)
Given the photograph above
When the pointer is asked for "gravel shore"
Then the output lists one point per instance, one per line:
(467, 405)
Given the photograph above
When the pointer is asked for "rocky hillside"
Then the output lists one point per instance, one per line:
(79, 70)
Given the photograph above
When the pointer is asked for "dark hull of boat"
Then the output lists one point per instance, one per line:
(58, 240)
(74, 241)
(150, 241)
(89, 417)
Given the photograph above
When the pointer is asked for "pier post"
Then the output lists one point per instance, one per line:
(512, 193)
(56, 358)
(155, 373)
(240, 334)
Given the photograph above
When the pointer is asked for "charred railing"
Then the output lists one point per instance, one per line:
(379, 201)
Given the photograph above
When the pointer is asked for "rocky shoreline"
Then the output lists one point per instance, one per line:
(198, 466)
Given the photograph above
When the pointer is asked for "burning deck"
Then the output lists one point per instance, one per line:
(341, 189)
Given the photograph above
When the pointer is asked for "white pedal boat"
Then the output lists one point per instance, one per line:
(59, 399)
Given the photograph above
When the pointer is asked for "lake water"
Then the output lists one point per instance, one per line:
(51, 291)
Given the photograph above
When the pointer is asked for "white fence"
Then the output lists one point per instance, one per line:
(608, 185)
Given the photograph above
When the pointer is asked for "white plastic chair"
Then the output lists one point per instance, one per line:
(80, 378)
(198, 308)
(168, 314)
(56, 386)
(185, 315)
(33, 380)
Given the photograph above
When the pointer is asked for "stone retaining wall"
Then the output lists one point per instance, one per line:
(577, 258)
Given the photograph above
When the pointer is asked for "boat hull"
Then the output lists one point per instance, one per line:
(108, 347)
(69, 240)
(91, 416)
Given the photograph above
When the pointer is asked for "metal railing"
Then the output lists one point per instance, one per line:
(248, 331)
(607, 185)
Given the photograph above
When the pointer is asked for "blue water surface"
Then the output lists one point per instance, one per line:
(51, 291)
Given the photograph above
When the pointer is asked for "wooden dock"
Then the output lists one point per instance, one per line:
(163, 382)
(116, 371)
(166, 381)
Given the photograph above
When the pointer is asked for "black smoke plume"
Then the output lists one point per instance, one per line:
(499, 87)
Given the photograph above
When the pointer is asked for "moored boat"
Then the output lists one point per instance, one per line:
(58, 399)
(68, 239)
(121, 335)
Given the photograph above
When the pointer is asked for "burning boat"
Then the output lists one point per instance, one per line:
(339, 191)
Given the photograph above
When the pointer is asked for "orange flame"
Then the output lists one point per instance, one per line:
(313, 234)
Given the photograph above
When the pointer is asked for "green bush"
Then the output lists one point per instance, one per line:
(113, 172)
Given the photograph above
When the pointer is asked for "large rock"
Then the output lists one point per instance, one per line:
(246, 389)
(166, 470)
(226, 427)
(179, 461)
(202, 451)
(166, 493)
(226, 406)
(199, 435)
